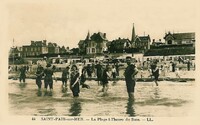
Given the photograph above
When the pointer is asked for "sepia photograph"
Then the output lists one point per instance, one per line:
(99, 61)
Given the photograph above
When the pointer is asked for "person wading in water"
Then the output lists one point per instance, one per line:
(104, 79)
(39, 73)
(74, 81)
(129, 74)
(65, 77)
(155, 72)
(22, 76)
(48, 80)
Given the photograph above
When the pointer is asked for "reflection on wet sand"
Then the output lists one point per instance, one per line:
(156, 93)
(130, 108)
(177, 97)
(75, 109)
(22, 85)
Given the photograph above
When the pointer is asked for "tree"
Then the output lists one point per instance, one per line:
(75, 51)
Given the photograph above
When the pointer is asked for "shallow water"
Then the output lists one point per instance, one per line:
(167, 100)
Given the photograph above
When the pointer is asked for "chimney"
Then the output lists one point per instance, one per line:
(45, 42)
(104, 35)
(32, 42)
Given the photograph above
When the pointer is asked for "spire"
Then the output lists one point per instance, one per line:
(133, 34)
(88, 35)
(13, 43)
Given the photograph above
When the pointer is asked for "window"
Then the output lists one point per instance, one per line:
(93, 50)
(88, 50)
(169, 42)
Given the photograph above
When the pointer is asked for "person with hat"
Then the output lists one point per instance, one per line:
(130, 73)
(48, 80)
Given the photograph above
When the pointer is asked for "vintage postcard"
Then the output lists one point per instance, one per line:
(99, 62)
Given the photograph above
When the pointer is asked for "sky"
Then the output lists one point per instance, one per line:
(65, 23)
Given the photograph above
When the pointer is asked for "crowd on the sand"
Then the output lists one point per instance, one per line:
(74, 77)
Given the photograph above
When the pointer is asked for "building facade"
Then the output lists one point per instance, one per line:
(53, 48)
(179, 38)
(142, 43)
(119, 45)
(15, 52)
(36, 48)
(96, 44)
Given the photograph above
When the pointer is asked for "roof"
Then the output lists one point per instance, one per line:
(108, 43)
(122, 41)
(81, 42)
(180, 36)
(38, 43)
(52, 44)
(143, 38)
(98, 36)
(184, 35)
(15, 49)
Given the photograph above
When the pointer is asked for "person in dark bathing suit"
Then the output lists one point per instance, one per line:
(99, 72)
(130, 73)
(48, 79)
(39, 74)
(65, 77)
(83, 79)
(104, 79)
(74, 81)
(155, 72)
(22, 76)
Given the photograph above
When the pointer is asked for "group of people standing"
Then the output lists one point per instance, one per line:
(77, 78)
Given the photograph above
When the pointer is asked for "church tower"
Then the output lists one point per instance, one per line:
(88, 36)
(133, 34)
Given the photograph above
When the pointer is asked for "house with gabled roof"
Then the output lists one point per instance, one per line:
(179, 38)
(119, 45)
(95, 44)
(142, 42)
